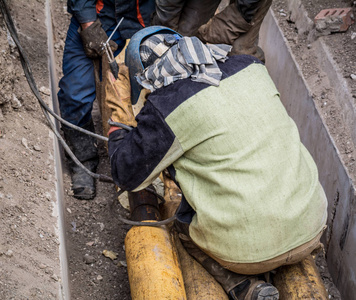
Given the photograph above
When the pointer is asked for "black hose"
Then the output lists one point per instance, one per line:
(46, 109)
(147, 223)
(31, 81)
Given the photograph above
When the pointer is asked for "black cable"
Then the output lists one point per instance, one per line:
(31, 81)
(147, 223)
(25, 64)
(117, 124)
(46, 109)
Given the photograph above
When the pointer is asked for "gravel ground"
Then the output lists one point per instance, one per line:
(29, 245)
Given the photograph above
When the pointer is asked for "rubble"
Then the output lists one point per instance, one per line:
(334, 20)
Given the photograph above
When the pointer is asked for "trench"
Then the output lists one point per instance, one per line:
(341, 233)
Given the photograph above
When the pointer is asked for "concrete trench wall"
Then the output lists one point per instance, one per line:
(64, 292)
(340, 236)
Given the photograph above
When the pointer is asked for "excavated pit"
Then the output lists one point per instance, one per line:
(339, 240)
(52, 244)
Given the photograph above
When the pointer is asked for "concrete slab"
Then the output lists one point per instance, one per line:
(326, 62)
(340, 237)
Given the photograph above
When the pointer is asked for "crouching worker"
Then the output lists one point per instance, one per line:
(251, 197)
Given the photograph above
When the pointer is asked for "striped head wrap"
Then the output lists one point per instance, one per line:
(168, 57)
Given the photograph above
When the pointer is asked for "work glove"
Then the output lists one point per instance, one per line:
(118, 98)
(232, 22)
(93, 38)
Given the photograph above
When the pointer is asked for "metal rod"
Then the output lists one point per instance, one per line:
(117, 26)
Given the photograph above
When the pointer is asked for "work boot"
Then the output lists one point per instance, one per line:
(84, 148)
(254, 289)
(237, 286)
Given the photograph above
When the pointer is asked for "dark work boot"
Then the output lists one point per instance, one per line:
(254, 289)
(84, 148)
(237, 286)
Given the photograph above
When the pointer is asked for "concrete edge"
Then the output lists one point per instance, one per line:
(59, 206)
(340, 87)
(340, 237)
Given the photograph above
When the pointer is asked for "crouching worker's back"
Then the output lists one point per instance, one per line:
(251, 197)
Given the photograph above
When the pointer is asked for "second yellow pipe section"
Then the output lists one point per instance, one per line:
(152, 265)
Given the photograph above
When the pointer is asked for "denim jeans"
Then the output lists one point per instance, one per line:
(77, 86)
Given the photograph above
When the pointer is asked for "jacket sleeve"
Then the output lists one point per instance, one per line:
(83, 10)
(138, 157)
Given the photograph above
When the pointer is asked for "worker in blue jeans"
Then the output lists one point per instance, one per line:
(91, 24)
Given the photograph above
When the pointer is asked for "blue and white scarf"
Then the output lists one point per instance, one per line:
(184, 57)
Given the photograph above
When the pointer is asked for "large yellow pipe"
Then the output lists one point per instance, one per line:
(198, 283)
(294, 282)
(152, 265)
(300, 281)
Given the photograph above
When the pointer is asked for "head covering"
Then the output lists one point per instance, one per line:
(133, 58)
(169, 57)
(156, 46)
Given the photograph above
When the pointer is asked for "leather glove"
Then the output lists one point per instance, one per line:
(118, 97)
(231, 20)
(93, 38)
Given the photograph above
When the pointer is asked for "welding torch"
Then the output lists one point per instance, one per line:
(114, 67)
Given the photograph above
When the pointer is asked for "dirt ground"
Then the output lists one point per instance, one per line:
(342, 47)
(29, 244)
(28, 239)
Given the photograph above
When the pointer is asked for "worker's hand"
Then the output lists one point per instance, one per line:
(86, 25)
(93, 37)
(118, 97)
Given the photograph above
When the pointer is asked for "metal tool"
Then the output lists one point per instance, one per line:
(114, 67)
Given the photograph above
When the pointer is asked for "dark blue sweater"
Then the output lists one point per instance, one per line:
(110, 12)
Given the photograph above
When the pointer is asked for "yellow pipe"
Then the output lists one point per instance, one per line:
(198, 283)
(300, 281)
(294, 282)
(152, 265)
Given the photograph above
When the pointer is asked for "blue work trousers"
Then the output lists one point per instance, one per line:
(77, 86)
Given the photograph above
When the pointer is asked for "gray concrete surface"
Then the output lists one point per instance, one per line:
(340, 237)
(340, 88)
(59, 208)
(326, 63)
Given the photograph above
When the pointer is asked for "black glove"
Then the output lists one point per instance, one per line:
(93, 38)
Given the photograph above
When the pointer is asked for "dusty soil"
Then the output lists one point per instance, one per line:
(342, 47)
(29, 245)
(29, 266)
